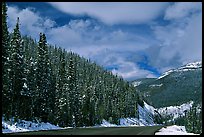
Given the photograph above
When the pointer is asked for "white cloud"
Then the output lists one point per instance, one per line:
(86, 38)
(30, 22)
(181, 39)
(120, 65)
(129, 70)
(79, 24)
(114, 12)
(63, 36)
(182, 9)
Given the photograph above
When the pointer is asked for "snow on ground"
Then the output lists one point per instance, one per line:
(22, 126)
(173, 130)
(149, 107)
(145, 119)
(165, 74)
(107, 124)
(176, 111)
(155, 85)
(136, 83)
(131, 122)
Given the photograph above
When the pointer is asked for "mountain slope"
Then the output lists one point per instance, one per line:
(174, 87)
(177, 96)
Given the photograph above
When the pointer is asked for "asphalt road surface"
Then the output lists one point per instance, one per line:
(143, 130)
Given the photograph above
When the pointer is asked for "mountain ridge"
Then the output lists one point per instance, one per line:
(183, 81)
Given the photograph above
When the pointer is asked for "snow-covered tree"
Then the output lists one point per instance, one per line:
(43, 80)
(6, 89)
(17, 70)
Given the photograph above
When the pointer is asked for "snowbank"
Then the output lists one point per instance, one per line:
(107, 124)
(173, 130)
(23, 126)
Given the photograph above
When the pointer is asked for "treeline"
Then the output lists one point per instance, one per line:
(47, 83)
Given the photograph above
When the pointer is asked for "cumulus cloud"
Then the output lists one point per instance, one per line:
(30, 22)
(181, 39)
(182, 9)
(127, 69)
(85, 37)
(114, 12)
(166, 46)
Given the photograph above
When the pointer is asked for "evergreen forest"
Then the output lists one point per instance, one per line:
(49, 84)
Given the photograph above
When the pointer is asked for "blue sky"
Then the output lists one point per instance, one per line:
(133, 39)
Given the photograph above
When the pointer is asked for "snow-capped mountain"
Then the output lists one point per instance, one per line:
(175, 87)
(193, 65)
(187, 67)
(175, 92)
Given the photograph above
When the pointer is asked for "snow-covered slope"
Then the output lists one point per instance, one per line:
(23, 126)
(146, 114)
(166, 74)
(146, 118)
(193, 65)
(187, 67)
(175, 111)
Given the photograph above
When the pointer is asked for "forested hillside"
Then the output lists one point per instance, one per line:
(47, 83)
(174, 88)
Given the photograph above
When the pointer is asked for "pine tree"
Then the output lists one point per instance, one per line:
(73, 95)
(17, 71)
(6, 89)
(62, 108)
(5, 36)
(30, 67)
(41, 109)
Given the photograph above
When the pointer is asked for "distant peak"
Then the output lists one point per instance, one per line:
(197, 64)
(187, 67)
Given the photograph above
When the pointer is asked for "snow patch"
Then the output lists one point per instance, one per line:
(165, 74)
(136, 83)
(25, 85)
(150, 108)
(175, 111)
(23, 126)
(107, 124)
(173, 130)
(197, 64)
(156, 85)
(131, 122)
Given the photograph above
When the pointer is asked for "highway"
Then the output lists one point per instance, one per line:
(143, 130)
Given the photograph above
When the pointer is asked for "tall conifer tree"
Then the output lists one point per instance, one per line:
(18, 70)
(6, 89)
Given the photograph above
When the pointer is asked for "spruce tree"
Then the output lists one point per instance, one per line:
(17, 71)
(6, 83)
(41, 109)
(72, 89)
